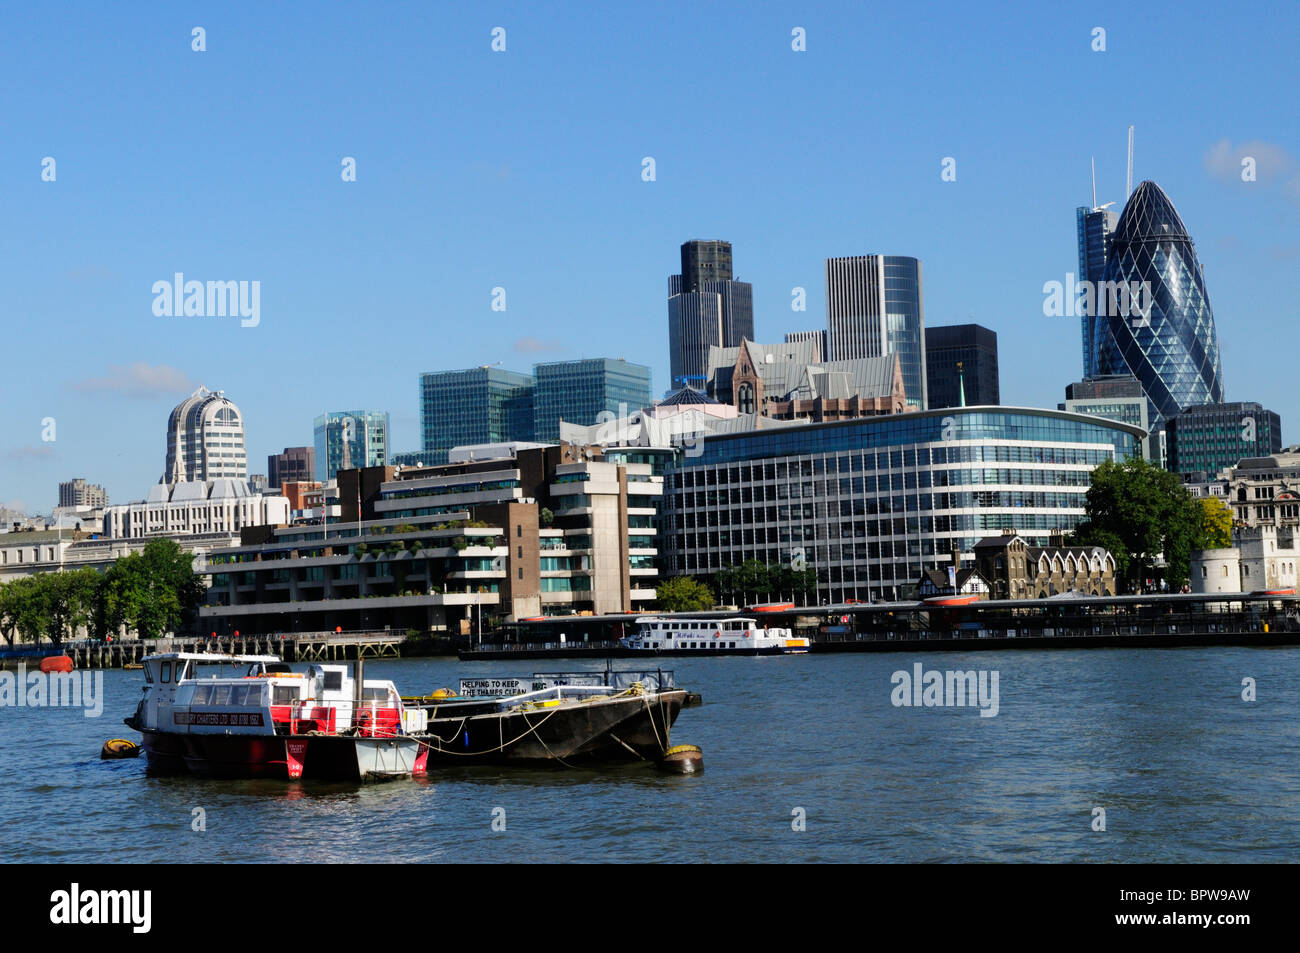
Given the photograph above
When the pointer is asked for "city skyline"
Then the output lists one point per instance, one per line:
(352, 310)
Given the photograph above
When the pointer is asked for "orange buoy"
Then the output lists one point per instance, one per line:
(56, 663)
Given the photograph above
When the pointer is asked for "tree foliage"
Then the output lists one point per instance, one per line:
(152, 592)
(684, 594)
(1215, 531)
(763, 582)
(1139, 511)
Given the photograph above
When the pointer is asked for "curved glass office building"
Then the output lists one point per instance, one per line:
(1170, 346)
(872, 503)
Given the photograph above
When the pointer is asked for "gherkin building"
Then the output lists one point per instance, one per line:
(1169, 342)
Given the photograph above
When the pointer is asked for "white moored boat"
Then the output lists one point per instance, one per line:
(739, 636)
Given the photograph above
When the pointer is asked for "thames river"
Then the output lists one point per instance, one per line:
(1103, 755)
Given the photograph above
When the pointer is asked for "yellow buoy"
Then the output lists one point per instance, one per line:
(119, 748)
(682, 759)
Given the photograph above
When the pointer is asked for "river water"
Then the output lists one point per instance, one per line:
(806, 759)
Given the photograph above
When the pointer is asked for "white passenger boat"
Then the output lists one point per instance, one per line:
(738, 636)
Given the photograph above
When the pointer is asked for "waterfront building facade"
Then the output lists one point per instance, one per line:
(1172, 347)
(1260, 557)
(194, 508)
(872, 503)
(473, 406)
(347, 439)
(205, 439)
(293, 465)
(1019, 569)
(1262, 491)
(548, 530)
(582, 391)
(874, 307)
(961, 366)
(1211, 437)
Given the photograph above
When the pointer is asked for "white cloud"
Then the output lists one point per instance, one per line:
(536, 346)
(1273, 163)
(138, 380)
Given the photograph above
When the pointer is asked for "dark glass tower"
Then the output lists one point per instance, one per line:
(706, 308)
(975, 381)
(1174, 349)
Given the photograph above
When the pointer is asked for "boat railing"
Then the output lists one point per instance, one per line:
(370, 719)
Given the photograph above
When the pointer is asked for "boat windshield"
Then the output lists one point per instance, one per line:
(224, 669)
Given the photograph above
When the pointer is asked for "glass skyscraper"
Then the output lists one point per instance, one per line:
(473, 406)
(1095, 228)
(1173, 350)
(706, 308)
(349, 438)
(874, 307)
(579, 391)
(1215, 436)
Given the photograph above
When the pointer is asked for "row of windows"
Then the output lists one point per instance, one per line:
(924, 503)
(884, 483)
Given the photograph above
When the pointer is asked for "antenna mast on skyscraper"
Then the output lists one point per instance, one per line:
(1094, 181)
(1128, 181)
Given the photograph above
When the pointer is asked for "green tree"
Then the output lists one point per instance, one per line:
(684, 594)
(752, 577)
(1215, 531)
(152, 591)
(26, 607)
(70, 599)
(1139, 511)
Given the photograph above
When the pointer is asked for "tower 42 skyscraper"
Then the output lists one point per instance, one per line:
(1172, 347)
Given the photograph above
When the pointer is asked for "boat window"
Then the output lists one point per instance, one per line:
(374, 694)
(166, 672)
(285, 694)
(148, 674)
(202, 695)
(238, 694)
(221, 694)
(256, 696)
(333, 681)
(182, 669)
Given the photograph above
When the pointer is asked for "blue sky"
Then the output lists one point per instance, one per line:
(522, 169)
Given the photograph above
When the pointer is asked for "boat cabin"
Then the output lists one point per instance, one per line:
(243, 694)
